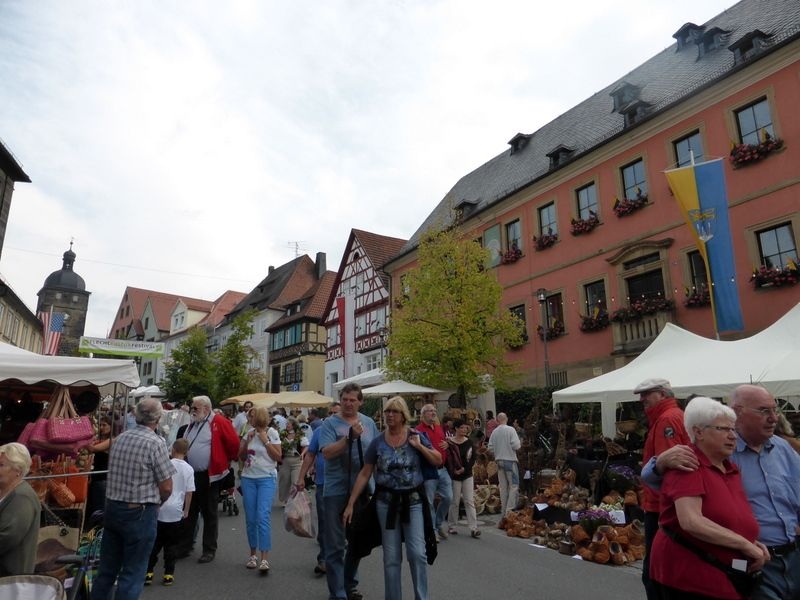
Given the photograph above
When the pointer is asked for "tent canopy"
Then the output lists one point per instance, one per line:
(365, 379)
(698, 365)
(29, 368)
(285, 399)
(399, 386)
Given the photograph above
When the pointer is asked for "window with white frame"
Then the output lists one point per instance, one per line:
(587, 201)
(697, 271)
(753, 121)
(594, 294)
(634, 181)
(547, 219)
(687, 147)
(777, 246)
(514, 235)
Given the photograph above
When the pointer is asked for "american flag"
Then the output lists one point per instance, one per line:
(53, 326)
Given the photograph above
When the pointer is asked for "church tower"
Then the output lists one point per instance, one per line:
(64, 291)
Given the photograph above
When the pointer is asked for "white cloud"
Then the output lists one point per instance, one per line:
(185, 147)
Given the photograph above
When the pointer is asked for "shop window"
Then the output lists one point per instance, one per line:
(587, 201)
(777, 246)
(687, 146)
(753, 121)
(634, 182)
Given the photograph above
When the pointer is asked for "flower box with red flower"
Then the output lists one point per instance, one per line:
(581, 226)
(546, 240)
(598, 323)
(556, 330)
(639, 308)
(697, 298)
(776, 276)
(626, 206)
(745, 154)
(512, 255)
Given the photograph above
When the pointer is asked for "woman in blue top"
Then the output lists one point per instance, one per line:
(395, 458)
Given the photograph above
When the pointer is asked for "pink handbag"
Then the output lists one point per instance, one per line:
(65, 426)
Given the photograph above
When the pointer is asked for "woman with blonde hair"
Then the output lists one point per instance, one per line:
(19, 512)
(395, 458)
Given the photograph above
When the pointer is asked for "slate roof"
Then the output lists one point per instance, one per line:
(669, 77)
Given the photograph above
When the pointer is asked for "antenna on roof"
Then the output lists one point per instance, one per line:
(298, 247)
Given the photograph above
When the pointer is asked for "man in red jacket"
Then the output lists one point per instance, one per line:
(665, 419)
(213, 444)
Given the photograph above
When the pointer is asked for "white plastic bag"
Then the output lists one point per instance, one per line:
(297, 515)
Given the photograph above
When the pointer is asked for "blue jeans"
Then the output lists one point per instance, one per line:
(257, 495)
(781, 578)
(444, 487)
(128, 536)
(508, 482)
(318, 489)
(413, 533)
(342, 569)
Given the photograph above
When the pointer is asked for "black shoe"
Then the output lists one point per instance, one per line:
(355, 595)
(206, 558)
(320, 568)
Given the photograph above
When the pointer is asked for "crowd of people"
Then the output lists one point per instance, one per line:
(722, 502)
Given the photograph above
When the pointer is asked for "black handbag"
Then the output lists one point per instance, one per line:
(363, 533)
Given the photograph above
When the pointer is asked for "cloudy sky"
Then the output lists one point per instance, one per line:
(185, 147)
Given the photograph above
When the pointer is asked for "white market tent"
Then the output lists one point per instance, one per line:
(29, 368)
(398, 386)
(698, 365)
(284, 399)
(365, 379)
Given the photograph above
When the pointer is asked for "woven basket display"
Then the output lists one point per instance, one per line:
(60, 493)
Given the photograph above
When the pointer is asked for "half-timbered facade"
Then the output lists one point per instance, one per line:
(358, 312)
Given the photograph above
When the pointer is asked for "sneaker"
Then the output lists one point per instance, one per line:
(264, 566)
(252, 563)
(443, 532)
(168, 579)
(452, 531)
(475, 533)
(148, 578)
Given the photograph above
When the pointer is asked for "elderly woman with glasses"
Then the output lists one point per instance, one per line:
(19, 512)
(396, 459)
(707, 511)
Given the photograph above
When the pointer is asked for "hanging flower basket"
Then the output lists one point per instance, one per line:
(512, 255)
(776, 277)
(545, 240)
(556, 330)
(581, 226)
(745, 154)
(697, 298)
(598, 323)
(640, 308)
(627, 206)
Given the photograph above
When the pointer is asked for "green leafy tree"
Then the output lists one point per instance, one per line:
(450, 330)
(232, 375)
(189, 372)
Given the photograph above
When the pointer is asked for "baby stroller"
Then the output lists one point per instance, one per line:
(227, 494)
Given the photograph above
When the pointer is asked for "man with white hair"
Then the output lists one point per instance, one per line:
(213, 444)
(503, 444)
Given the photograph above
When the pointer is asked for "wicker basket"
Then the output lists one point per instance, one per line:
(626, 427)
(60, 493)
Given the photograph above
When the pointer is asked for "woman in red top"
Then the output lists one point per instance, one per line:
(708, 509)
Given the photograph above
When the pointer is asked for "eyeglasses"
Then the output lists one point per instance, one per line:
(389, 411)
(764, 411)
(721, 428)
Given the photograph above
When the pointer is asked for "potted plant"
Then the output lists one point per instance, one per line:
(639, 308)
(697, 298)
(512, 255)
(554, 331)
(626, 206)
(595, 323)
(745, 154)
(592, 518)
(776, 276)
(581, 226)
(545, 240)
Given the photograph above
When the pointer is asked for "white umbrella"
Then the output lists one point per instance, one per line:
(398, 387)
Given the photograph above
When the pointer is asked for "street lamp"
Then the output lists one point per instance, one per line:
(541, 296)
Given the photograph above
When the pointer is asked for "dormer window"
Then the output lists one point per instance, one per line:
(519, 141)
(292, 309)
(688, 35)
(635, 112)
(750, 45)
(624, 95)
(559, 156)
(464, 209)
(711, 40)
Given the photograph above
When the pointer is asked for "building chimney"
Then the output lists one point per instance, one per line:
(270, 270)
(321, 265)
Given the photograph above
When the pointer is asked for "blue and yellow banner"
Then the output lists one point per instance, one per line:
(703, 200)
